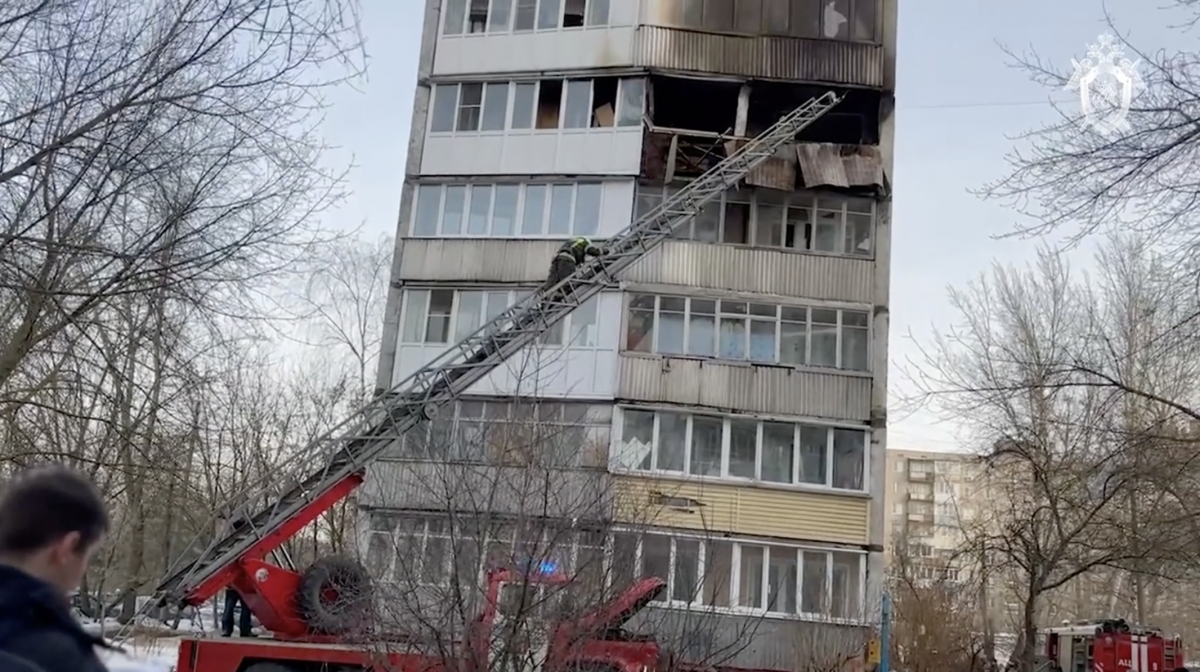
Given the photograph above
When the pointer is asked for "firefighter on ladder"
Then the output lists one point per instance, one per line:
(569, 256)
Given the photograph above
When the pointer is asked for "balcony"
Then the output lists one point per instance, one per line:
(921, 476)
(920, 497)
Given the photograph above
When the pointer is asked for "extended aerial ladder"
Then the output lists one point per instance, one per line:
(354, 444)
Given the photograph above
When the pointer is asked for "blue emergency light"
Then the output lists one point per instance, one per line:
(547, 567)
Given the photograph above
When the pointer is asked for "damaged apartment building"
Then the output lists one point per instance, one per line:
(731, 385)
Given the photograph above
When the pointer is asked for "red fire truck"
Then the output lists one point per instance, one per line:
(317, 629)
(1112, 645)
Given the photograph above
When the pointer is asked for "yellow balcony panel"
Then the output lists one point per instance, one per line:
(741, 509)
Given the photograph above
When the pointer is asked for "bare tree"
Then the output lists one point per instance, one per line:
(936, 619)
(163, 148)
(342, 304)
(1061, 452)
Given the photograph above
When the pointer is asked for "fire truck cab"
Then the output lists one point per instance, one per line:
(1111, 645)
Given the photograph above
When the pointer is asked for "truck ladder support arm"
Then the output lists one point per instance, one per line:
(359, 440)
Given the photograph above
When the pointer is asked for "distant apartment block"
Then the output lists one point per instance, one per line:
(930, 496)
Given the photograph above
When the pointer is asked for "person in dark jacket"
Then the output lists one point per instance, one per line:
(571, 254)
(232, 600)
(51, 521)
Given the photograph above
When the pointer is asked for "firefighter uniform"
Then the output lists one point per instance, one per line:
(571, 254)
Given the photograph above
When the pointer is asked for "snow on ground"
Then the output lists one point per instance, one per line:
(156, 655)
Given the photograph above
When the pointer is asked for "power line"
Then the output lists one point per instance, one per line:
(965, 106)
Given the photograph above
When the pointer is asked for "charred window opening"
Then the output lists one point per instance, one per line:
(815, 19)
(695, 105)
(853, 122)
(573, 13)
(549, 102)
(604, 101)
(477, 17)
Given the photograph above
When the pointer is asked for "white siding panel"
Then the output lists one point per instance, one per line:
(477, 260)
(744, 387)
(577, 373)
(608, 151)
(740, 269)
(569, 49)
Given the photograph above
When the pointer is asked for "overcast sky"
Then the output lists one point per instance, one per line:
(959, 104)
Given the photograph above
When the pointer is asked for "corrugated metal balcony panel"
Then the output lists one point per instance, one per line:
(476, 260)
(754, 270)
(757, 389)
(743, 510)
(707, 637)
(788, 58)
(674, 263)
(581, 493)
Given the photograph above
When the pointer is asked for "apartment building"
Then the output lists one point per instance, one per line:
(930, 496)
(726, 400)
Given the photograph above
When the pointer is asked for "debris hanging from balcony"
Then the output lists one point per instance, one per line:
(846, 166)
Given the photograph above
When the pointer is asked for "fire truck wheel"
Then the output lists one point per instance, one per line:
(268, 667)
(334, 595)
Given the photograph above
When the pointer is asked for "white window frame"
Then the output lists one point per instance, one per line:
(616, 463)
(648, 196)
(622, 117)
(553, 338)
(568, 552)
(656, 346)
(596, 425)
(590, 19)
(421, 191)
(854, 613)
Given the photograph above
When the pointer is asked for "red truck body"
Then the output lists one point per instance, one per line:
(1112, 646)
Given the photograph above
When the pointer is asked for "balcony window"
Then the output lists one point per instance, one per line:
(506, 210)
(777, 579)
(444, 316)
(763, 333)
(550, 104)
(742, 449)
(536, 432)
(506, 16)
(801, 222)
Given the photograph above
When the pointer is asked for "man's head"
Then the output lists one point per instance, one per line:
(51, 520)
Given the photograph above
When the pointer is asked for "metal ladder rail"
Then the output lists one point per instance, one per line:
(360, 439)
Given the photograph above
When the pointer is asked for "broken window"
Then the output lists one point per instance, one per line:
(855, 121)
(573, 13)
(445, 99)
(695, 105)
(766, 218)
(500, 16)
(477, 18)
(470, 107)
(549, 103)
(633, 102)
(835, 17)
(604, 102)
(735, 229)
